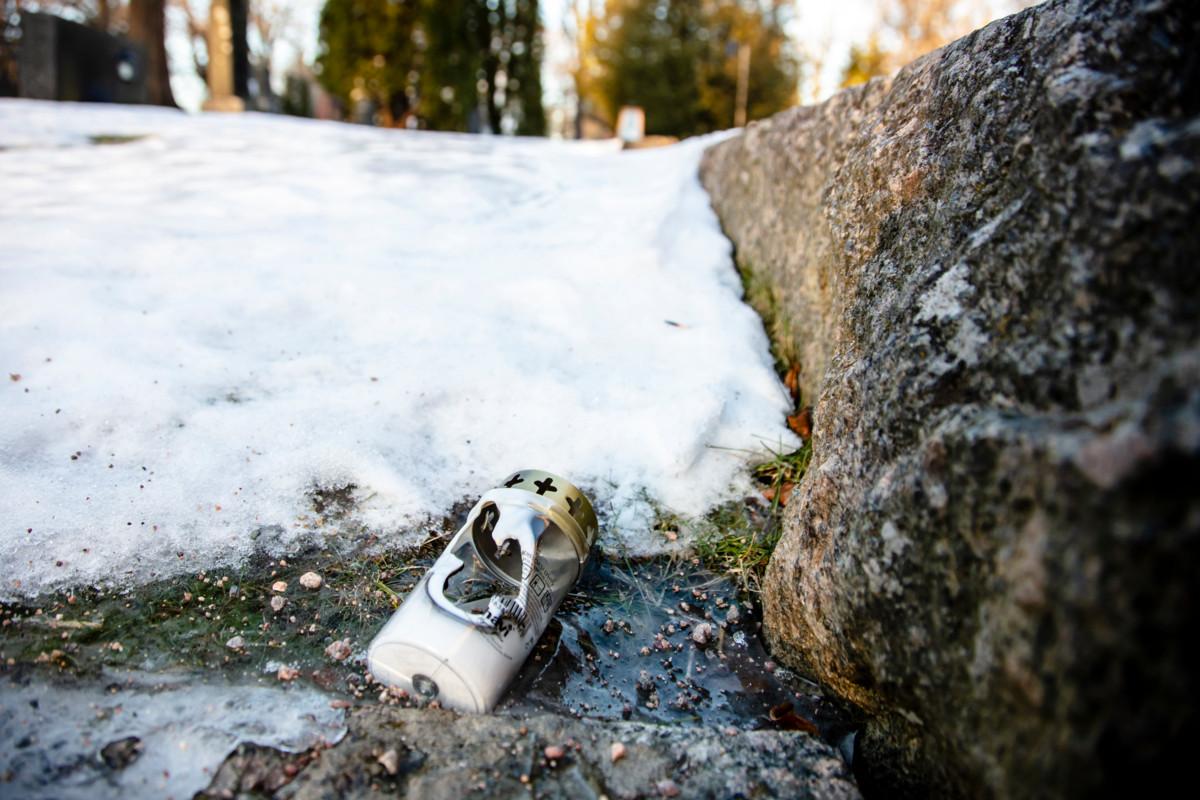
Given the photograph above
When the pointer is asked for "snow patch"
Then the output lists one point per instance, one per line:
(213, 321)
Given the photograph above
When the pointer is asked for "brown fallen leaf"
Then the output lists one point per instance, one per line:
(784, 492)
(792, 381)
(801, 422)
(785, 716)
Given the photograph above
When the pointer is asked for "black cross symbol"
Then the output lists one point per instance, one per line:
(513, 481)
(545, 485)
(573, 503)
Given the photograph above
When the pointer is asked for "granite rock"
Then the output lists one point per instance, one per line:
(990, 266)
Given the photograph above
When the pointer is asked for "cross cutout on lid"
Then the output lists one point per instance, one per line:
(513, 481)
(545, 485)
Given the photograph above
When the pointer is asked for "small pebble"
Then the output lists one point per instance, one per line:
(732, 615)
(340, 704)
(339, 650)
(667, 788)
(277, 603)
(287, 673)
(311, 581)
(390, 761)
(554, 752)
(279, 586)
(236, 643)
(617, 751)
(702, 634)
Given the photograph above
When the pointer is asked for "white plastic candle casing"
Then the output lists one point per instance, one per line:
(466, 628)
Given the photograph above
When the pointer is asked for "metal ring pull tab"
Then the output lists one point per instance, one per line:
(520, 525)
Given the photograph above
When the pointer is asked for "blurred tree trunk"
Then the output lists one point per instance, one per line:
(147, 27)
(239, 18)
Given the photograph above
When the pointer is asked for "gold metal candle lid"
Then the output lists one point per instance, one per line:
(569, 507)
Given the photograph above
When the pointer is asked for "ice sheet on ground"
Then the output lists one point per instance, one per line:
(51, 737)
(203, 319)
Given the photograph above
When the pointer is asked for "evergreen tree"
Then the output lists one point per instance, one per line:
(650, 55)
(368, 52)
(483, 57)
(679, 60)
(523, 43)
(774, 71)
(457, 64)
(454, 39)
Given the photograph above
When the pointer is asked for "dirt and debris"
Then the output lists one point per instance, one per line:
(339, 650)
(650, 642)
(121, 753)
(420, 753)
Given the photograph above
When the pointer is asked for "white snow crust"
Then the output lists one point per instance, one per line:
(214, 320)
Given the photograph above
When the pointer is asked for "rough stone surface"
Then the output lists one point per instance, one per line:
(992, 267)
(440, 755)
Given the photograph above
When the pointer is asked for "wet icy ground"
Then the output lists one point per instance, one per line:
(238, 348)
(141, 696)
(137, 734)
(206, 320)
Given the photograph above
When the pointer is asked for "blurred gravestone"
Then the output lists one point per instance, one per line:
(62, 60)
(631, 124)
